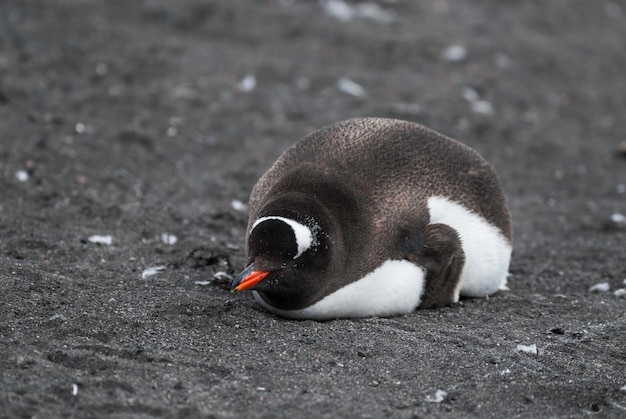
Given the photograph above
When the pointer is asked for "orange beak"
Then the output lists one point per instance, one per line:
(248, 278)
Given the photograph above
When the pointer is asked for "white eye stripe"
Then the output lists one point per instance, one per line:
(304, 237)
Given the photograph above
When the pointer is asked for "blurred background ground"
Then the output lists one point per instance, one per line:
(147, 123)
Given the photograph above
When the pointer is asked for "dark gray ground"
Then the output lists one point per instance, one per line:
(129, 119)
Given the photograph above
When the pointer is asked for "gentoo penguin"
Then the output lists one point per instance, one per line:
(375, 217)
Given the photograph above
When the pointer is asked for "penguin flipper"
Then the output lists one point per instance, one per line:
(443, 258)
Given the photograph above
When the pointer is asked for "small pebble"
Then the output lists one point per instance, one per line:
(74, 389)
(350, 87)
(482, 107)
(620, 293)
(618, 218)
(440, 395)
(338, 9)
(495, 359)
(148, 272)
(202, 283)
(169, 239)
(102, 69)
(101, 239)
(345, 12)
(222, 276)
(558, 331)
(470, 94)
(454, 53)
(237, 205)
(529, 349)
(477, 105)
(58, 316)
(22, 175)
(600, 287)
(171, 132)
(248, 83)
(80, 128)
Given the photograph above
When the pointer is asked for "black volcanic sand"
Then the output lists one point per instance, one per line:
(144, 120)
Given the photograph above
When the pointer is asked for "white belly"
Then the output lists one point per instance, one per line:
(395, 287)
(487, 251)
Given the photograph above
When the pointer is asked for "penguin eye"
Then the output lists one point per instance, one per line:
(280, 236)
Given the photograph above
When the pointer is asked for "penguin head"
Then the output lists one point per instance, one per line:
(288, 257)
(300, 234)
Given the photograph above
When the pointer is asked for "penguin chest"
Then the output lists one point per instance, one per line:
(395, 287)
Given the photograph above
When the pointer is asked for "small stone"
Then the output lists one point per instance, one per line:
(101, 239)
(482, 107)
(495, 359)
(21, 175)
(454, 53)
(616, 222)
(470, 94)
(600, 287)
(558, 331)
(237, 205)
(169, 239)
(374, 383)
(148, 272)
(338, 9)
(440, 395)
(171, 132)
(203, 283)
(222, 278)
(620, 293)
(529, 349)
(248, 83)
(350, 87)
(618, 218)
(102, 69)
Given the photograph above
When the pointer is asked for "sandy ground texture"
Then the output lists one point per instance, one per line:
(131, 133)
